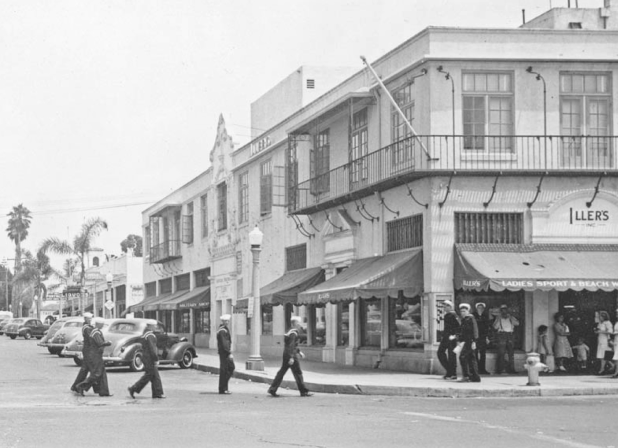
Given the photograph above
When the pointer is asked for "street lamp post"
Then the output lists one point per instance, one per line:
(110, 278)
(5, 263)
(255, 361)
(448, 76)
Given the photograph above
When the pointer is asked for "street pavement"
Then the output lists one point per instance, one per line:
(37, 410)
(332, 378)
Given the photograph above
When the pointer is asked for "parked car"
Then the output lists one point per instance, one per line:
(26, 327)
(3, 323)
(73, 348)
(61, 332)
(126, 350)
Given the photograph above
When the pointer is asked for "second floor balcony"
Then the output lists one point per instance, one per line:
(434, 155)
(165, 251)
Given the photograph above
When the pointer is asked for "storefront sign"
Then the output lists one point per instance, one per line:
(588, 217)
(223, 287)
(532, 285)
(260, 145)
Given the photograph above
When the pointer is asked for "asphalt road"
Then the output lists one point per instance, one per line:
(38, 410)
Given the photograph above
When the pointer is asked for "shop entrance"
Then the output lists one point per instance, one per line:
(581, 310)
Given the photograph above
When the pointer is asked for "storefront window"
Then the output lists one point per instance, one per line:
(343, 324)
(202, 320)
(371, 322)
(405, 328)
(515, 302)
(183, 321)
(320, 326)
(166, 318)
(267, 320)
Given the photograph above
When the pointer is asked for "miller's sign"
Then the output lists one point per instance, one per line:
(588, 217)
(260, 145)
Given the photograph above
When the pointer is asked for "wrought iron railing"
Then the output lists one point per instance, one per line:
(422, 156)
(168, 250)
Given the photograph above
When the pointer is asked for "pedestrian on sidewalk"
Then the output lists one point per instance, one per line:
(226, 359)
(97, 378)
(84, 368)
(291, 356)
(448, 341)
(582, 351)
(504, 325)
(604, 331)
(562, 348)
(615, 345)
(484, 324)
(150, 358)
(543, 348)
(468, 334)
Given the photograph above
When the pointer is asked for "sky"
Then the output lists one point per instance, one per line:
(106, 106)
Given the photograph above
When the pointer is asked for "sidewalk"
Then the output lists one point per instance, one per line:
(332, 378)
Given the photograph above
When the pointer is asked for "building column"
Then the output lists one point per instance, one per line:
(350, 350)
(191, 321)
(173, 326)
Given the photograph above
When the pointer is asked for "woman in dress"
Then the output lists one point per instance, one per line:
(615, 358)
(604, 331)
(562, 348)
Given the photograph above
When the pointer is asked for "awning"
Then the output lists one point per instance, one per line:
(196, 298)
(156, 305)
(536, 267)
(140, 306)
(286, 288)
(377, 277)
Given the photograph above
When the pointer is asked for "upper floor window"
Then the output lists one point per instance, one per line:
(296, 257)
(585, 110)
(155, 232)
(95, 261)
(489, 228)
(402, 148)
(202, 277)
(405, 233)
(222, 206)
(187, 225)
(183, 282)
(320, 163)
(147, 240)
(204, 213)
(488, 111)
(165, 286)
(359, 147)
(266, 187)
(243, 197)
(151, 289)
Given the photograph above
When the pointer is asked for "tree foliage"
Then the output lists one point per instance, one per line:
(133, 242)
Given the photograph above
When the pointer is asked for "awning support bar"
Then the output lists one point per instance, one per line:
(358, 223)
(359, 210)
(300, 227)
(386, 206)
(413, 198)
(396, 106)
(339, 228)
(596, 190)
(538, 191)
(311, 224)
(493, 191)
(448, 190)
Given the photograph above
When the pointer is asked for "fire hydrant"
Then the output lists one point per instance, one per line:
(534, 366)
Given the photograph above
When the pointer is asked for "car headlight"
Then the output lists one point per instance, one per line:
(122, 350)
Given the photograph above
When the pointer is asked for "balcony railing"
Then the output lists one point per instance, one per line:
(166, 251)
(417, 157)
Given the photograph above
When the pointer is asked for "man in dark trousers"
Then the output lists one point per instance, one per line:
(484, 324)
(84, 368)
(226, 360)
(151, 362)
(468, 334)
(291, 355)
(97, 379)
(446, 356)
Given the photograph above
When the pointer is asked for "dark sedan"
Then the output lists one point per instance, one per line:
(26, 327)
(126, 350)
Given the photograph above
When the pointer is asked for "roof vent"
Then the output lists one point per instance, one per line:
(575, 25)
(311, 83)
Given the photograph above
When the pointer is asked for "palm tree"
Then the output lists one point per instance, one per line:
(17, 230)
(82, 243)
(34, 271)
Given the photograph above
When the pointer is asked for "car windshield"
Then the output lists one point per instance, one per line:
(125, 327)
(73, 324)
(17, 321)
(56, 325)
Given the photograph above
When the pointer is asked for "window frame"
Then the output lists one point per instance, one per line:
(243, 197)
(204, 214)
(412, 233)
(266, 187)
(359, 146)
(222, 206)
(320, 163)
(489, 228)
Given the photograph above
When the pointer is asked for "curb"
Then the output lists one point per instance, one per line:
(426, 392)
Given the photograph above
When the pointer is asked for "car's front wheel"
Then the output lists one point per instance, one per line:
(137, 363)
(39, 337)
(187, 360)
(27, 335)
(12, 336)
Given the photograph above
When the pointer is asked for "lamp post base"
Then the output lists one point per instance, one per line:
(255, 363)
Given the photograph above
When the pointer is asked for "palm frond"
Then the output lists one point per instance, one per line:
(56, 245)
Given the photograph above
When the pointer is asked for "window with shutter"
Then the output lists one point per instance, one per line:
(489, 228)
(266, 187)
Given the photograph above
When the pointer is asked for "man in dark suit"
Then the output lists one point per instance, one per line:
(151, 361)
(291, 356)
(86, 352)
(446, 356)
(226, 359)
(468, 334)
(484, 324)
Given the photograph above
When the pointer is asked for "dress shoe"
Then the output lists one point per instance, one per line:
(225, 392)
(307, 394)
(159, 396)
(484, 372)
(131, 392)
(273, 393)
(73, 389)
(452, 377)
(79, 391)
